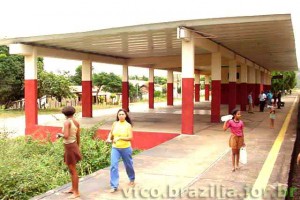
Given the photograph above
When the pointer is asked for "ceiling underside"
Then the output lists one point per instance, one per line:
(265, 40)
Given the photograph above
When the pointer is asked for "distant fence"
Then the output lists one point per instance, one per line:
(44, 103)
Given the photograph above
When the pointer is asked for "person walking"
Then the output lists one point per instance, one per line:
(71, 139)
(272, 115)
(236, 140)
(250, 103)
(262, 100)
(279, 99)
(269, 98)
(120, 136)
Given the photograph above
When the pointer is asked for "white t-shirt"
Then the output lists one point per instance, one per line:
(262, 97)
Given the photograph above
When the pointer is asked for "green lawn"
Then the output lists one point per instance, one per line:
(17, 113)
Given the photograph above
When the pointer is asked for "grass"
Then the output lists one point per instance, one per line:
(31, 167)
(18, 113)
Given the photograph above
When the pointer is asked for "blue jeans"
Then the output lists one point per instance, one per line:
(126, 155)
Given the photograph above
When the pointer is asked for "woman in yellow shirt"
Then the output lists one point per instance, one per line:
(120, 136)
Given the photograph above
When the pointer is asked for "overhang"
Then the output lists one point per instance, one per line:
(267, 41)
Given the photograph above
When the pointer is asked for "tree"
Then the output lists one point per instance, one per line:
(288, 81)
(77, 77)
(57, 86)
(11, 77)
(107, 82)
(144, 78)
(160, 80)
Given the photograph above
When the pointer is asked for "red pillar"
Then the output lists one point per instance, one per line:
(170, 94)
(215, 100)
(197, 92)
(232, 96)
(87, 99)
(224, 93)
(31, 107)
(151, 95)
(250, 88)
(187, 106)
(243, 96)
(125, 96)
(206, 92)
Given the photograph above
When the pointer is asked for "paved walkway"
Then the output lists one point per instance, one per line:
(199, 166)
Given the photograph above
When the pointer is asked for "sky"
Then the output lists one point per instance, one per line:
(21, 18)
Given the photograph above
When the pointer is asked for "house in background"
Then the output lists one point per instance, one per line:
(103, 97)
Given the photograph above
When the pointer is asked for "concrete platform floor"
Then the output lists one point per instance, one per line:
(195, 166)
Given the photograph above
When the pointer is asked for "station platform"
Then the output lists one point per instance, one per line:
(198, 166)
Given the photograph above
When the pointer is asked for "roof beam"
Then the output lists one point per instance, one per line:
(168, 61)
(206, 44)
(65, 54)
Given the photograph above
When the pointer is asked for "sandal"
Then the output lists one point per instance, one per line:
(131, 183)
(68, 192)
(112, 190)
(73, 196)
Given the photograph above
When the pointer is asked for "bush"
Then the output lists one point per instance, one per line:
(30, 167)
(157, 93)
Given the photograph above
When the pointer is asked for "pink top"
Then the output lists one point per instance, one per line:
(236, 127)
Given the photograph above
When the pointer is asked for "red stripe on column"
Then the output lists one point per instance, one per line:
(125, 96)
(187, 117)
(238, 91)
(250, 88)
(243, 96)
(232, 96)
(170, 94)
(215, 101)
(266, 88)
(261, 86)
(151, 95)
(206, 92)
(87, 99)
(31, 107)
(224, 93)
(197, 92)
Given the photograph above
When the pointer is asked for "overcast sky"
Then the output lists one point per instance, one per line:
(35, 17)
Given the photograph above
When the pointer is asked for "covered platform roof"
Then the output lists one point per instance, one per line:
(267, 41)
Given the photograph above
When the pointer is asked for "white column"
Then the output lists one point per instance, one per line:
(232, 71)
(258, 76)
(216, 87)
(244, 74)
(86, 70)
(31, 66)
(188, 59)
(252, 75)
(125, 73)
(151, 75)
(170, 76)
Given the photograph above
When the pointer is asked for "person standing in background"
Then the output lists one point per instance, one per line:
(262, 100)
(250, 103)
(279, 99)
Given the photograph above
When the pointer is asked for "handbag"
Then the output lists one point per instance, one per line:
(243, 155)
